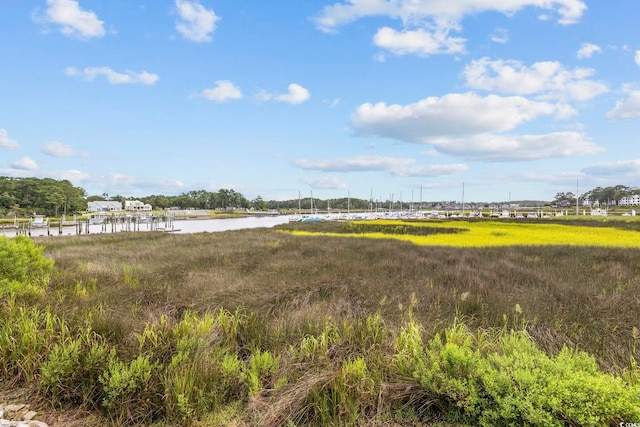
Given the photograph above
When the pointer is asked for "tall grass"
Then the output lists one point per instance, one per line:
(280, 329)
(585, 297)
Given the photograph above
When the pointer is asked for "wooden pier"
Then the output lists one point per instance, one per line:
(83, 225)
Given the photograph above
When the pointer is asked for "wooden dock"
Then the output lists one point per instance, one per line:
(83, 225)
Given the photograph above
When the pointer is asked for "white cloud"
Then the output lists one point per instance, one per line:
(546, 80)
(636, 58)
(72, 175)
(568, 11)
(500, 35)
(623, 167)
(57, 149)
(587, 50)
(326, 183)
(196, 22)
(6, 142)
(25, 164)
(223, 91)
(113, 77)
(470, 126)
(296, 95)
(628, 107)
(423, 42)
(491, 147)
(427, 24)
(74, 21)
(457, 114)
(396, 166)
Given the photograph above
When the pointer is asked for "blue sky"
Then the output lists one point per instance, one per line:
(516, 99)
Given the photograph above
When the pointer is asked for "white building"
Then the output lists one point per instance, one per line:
(104, 206)
(633, 200)
(136, 206)
(592, 204)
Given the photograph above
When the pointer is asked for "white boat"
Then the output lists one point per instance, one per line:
(142, 219)
(310, 219)
(39, 221)
(96, 220)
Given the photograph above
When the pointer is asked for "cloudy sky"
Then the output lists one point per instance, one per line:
(516, 99)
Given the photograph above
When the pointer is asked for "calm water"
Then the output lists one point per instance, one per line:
(183, 227)
(213, 225)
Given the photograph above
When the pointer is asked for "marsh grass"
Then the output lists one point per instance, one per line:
(486, 233)
(305, 330)
(585, 297)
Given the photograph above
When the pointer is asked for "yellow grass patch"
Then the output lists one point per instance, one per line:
(496, 233)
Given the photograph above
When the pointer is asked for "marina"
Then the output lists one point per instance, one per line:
(169, 222)
(40, 226)
(117, 224)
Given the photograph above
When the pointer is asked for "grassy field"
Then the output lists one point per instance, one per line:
(353, 294)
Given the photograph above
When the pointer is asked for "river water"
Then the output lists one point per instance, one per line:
(213, 225)
(182, 227)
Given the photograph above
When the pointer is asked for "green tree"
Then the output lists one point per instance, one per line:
(44, 196)
(564, 199)
(259, 204)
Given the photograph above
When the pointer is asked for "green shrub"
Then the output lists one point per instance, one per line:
(507, 380)
(230, 381)
(26, 335)
(260, 371)
(447, 367)
(24, 271)
(157, 341)
(355, 390)
(183, 397)
(71, 371)
(514, 379)
(132, 391)
(203, 373)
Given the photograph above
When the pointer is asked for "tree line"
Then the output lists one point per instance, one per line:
(609, 195)
(28, 196)
(340, 204)
(603, 196)
(197, 199)
(24, 197)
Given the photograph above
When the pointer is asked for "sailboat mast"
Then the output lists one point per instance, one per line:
(371, 201)
(577, 198)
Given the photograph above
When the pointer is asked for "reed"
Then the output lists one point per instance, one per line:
(261, 327)
(581, 296)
